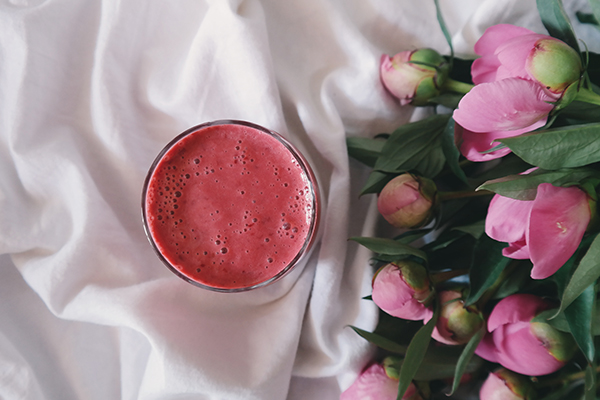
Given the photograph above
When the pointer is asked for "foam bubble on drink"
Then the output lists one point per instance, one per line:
(229, 206)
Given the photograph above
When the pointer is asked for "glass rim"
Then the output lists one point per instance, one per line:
(314, 211)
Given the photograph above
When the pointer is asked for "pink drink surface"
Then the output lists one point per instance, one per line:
(229, 206)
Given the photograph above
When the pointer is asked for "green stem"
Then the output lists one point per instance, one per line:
(439, 277)
(562, 380)
(588, 96)
(491, 291)
(455, 86)
(443, 196)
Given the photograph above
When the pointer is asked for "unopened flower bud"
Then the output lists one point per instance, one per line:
(522, 345)
(402, 289)
(415, 76)
(559, 345)
(456, 324)
(503, 384)
(374, 384)
(554, 64)
(408, 201)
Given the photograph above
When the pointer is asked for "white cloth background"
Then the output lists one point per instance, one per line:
(90, 91)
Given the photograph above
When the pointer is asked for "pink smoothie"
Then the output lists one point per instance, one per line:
(229, 206)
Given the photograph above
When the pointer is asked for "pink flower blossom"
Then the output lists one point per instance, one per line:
(415, 76)
(408, 201)
(519, 78)
(374, 384)
(503, 384)
(401, 289)
(523, 346)
(547, 230)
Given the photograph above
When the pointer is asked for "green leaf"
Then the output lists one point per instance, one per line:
(451, 152)
(587, 271)
(595, 5)
(415, 147)
(475, 229)
(365, 150)
(380, 341)
(412, 235)
(579, 316)
(415, 353)
(557, 22)
(564, 147)
(389, 247)
(465, 358)
(486, 266)
(524, 187)
(586, 18)
(444, 240)
(376, 181)
(558, 322)
(578, 112)
(514, 282)
(440, 363)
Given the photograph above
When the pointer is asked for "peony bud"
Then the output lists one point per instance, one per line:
(374, 384)
(401, 290)
(554, 64)
(523, 346)
(408, 201)
(415, 76)
(503, 384)
(457, 323)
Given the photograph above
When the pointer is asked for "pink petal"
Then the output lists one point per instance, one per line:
(506, 220)
(399, 77)
(372, 384)
(559, 218)
(513, 55)
(473, 145)
(397, 194)
(487, 349)
(505, 105)
(520, 351)
(517, 308)
(394, 296)
(485, 68)
(496, 388)
(518, 250)
(496, 35)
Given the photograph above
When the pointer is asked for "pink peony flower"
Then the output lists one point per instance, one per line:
(457, 324)
(408, 201)
(401, 289)
(374, 384)
(522, 346)
(519, 78)
(415, 76)
(503, 384)
(546, 230)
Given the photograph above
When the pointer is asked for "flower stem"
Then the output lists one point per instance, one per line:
(588, 96)
(565, 379)
(491, 291)
(456, 86)
(443, 196)
(439, 277)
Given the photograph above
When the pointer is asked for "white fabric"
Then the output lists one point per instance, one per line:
(90, 91)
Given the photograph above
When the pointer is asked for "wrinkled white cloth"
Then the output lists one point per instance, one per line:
(90, 91)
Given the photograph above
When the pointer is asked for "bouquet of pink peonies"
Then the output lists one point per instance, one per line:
(491, 283)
